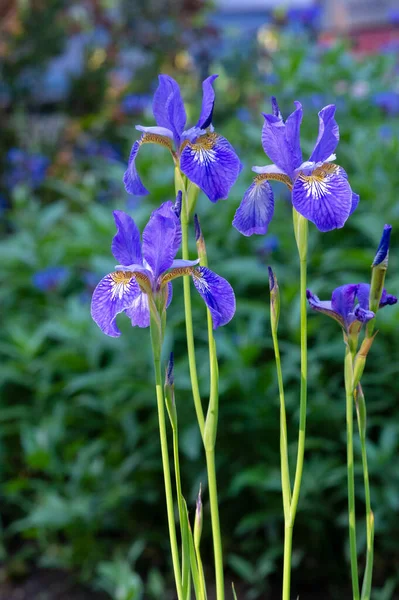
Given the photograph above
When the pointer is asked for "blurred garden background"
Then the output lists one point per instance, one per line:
(82, 511)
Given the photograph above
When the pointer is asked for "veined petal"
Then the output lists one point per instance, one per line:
(328, 137)
(323, 197)
(212, 164)
(217, 294)
(139, 312)
(167, 210)
(273, 173)
(256, 209)
(131, 179)
(159, 248)
(343, 299)
(115, 293)
(292, 133)
(208, 102)
(168, 106)
(324, 306)
(126, 246)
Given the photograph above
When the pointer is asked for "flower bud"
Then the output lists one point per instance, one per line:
(361, 410)
(274, 299)
(379, 268)
(360, 359)
(198, 520)
(199, 239)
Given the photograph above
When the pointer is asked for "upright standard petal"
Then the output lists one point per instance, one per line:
(343, 300)
(159, 248)
(323, 197)
(115, 293)
(212, 164)
(292, 133)
(208, 102)
(256, 209)
(139, 311)
(328, 137)
(363, 296)
(217, 294)
(168, 106)
(167, 210)
(126, 245)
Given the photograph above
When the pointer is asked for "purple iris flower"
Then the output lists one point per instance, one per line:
(25, 168)
(343, 306)
(206, 158)
(142, 280)
(320, 190)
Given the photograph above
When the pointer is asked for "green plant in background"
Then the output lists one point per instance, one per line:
(78, 434)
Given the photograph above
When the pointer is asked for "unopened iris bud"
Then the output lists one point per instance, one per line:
(361, 357)
(169, 390)
(198, 520)
(274, 299)
(379, 268)
(199, 239)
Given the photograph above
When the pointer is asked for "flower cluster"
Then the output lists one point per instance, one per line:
(204, 157)
(320, 189)
(141, 283)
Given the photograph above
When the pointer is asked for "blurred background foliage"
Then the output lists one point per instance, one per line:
(81, 484)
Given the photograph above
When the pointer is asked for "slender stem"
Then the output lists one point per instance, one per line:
(287, 561)
(303, 398)
(285, 475)
(361, 420)
(217, 543)
(351, 474)
(166, 473)
(189, 323)
(182, 515)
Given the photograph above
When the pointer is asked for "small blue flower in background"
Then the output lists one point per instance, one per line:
(206, 158)
(50, 279)
(146, 270)
(270, 244)
(135, 103)
(388, 101)
(3, 204)
(320, 189)
(101, 149)
(343, 306)
(25, 168)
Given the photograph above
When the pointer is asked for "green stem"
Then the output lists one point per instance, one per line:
(189, 322)
(303, 397)
(351, 474)
(287, 561)
(361, 419)
(285, 475)
(217, 543)
(166, 471)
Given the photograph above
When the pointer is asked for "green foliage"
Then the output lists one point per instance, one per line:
(79, 443)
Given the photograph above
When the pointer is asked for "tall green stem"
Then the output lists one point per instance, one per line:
(165, 460)
(351, 474)
(189, 323)
(303, 396)
(208, 428)
(285, 475)
(361, 420)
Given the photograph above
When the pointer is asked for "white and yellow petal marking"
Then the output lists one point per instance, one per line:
(202, 150)
(317, 184)
(121, 282)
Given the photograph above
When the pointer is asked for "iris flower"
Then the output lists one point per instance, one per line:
(142, 280)
(206, 158)
(344, 308)
(320, 189)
